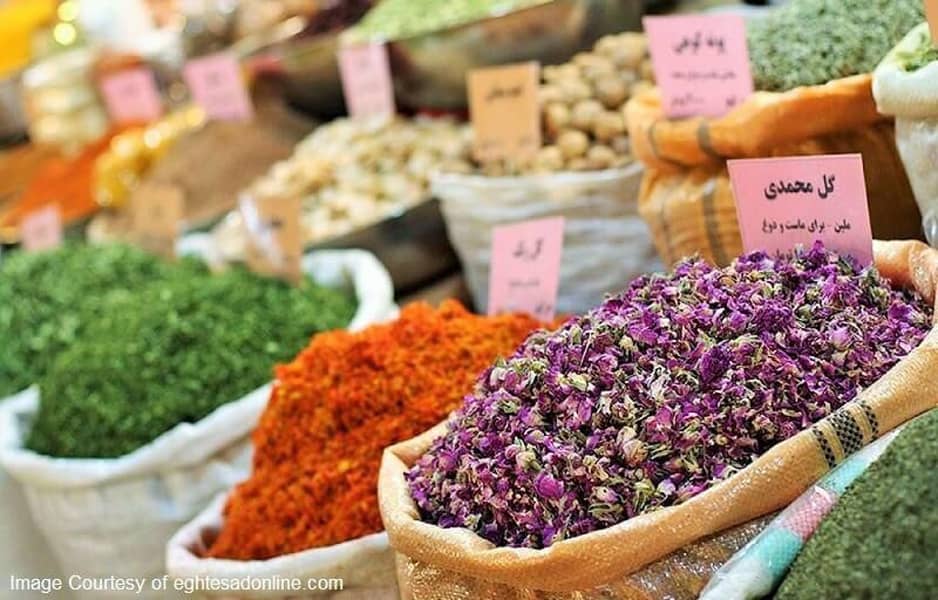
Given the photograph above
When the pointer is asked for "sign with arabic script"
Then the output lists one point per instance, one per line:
(701, 63)
(525, 272)
(785, 202)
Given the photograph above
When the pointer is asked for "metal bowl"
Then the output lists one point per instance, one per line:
(429, 71)
(306, 65)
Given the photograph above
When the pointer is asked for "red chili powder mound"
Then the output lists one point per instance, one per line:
(336, 407)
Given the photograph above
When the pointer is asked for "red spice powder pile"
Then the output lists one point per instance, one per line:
(336, 407)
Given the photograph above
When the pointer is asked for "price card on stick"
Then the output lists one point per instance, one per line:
(505, 113)
(785, 202)
(525, 267)
(701, 63)
(217, 86)
(41, 230)
(156, 214)
(275, 243)
(366, 80)
(131, 96)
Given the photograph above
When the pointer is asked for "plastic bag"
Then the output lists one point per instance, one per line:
(912, 97)
(24, 552)
(453, 563)
(686, 197)
(600, 211)
(104, 517)
(757, 569)
(365, 566)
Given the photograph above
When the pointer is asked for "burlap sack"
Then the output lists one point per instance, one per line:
(447, 564)
(686, 197)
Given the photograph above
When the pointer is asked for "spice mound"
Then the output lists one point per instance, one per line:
(881, 539)
(334, 409)
(661, 392)
(172, 353)
(398, 19)
(352, 174)
(811, 42)
(47, 299)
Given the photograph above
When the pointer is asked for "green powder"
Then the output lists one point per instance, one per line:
(881, 540)
(811, 42)
(398, 19)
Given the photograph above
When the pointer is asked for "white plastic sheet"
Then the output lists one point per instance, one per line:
(912, 97)
(365, 565)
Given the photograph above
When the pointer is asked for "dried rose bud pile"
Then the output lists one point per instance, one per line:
(661, 392)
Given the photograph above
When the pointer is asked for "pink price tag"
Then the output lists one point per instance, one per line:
(525, 267)
(132, 96)
(42, 230)
(366, 80)
(785, 202)
(701, 63)
(216, 85)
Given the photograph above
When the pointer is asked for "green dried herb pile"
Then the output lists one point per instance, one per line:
(143, 360)
(46, 299)
(881, 540)
(811, 42)
(398, 19)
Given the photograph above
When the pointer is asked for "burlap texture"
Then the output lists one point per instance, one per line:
(686, 197)
(765, 121)
(451, 564)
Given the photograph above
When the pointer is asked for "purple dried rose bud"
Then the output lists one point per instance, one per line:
(548, 487)
(659, 393)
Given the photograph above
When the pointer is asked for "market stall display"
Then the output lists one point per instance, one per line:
(704, 419)
(686, 197)
(881, 539)
(904, 87)
(319, 443)
(619, 412)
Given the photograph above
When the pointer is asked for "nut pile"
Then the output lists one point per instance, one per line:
(354, 173)
(582, 108)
